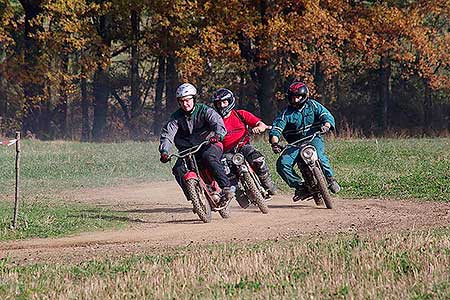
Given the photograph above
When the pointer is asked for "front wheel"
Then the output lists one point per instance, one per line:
(196, 196)
(254, 194)
(323, 187)
(226, 212)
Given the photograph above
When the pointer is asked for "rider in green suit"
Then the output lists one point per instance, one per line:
(301, 118)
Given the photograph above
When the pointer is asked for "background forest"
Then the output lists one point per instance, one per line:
(99, 70)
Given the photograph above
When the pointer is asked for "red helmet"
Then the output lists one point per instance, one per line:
(297, 90)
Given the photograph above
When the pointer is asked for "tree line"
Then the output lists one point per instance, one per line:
(96, 70)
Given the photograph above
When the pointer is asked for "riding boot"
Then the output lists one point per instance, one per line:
(228, 194)
(268, 184)
(301, 193)
(333, 185)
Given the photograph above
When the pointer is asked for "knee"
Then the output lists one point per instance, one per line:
(177, 171)
(258, 161)
(283, 166)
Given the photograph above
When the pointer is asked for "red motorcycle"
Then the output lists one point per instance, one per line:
(201, 188)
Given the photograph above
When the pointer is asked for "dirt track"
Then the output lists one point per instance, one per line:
(160, 217)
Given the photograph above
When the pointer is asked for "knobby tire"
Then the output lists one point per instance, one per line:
(254, 194)
(198, 199)
(323, 187)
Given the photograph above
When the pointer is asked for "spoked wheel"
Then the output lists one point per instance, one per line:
(254, 194)
(201, 205)
(323, 187)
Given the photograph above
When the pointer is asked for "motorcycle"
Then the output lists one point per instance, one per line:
(249, 189)
(312, 171)
(200, 187)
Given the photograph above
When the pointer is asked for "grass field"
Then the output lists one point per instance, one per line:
(403, 168)
(404, 265)
(394, 266)
(47, 218)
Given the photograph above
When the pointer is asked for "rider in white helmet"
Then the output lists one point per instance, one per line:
(186, 91)
(189, 126)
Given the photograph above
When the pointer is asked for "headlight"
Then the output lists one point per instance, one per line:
(238, 159)
(308, 153)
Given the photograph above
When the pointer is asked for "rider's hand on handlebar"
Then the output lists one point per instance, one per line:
(164, 157)
(214, 139)
(277, 148)
(325, 127)
(260, 128)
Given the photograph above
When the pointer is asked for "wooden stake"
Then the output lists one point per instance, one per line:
(16, 197)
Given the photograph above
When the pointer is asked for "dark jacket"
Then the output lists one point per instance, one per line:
(186, 131)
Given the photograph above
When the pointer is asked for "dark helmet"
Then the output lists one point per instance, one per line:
(221, 95)
(297, 88)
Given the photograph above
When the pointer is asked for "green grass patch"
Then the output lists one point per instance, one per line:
(393, 168)
(408, 265)
(69, 165)
(386, 168)
(47, 218)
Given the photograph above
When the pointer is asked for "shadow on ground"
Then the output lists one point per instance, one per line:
(159, 210)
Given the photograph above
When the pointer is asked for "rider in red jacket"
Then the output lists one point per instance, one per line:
(237, 123)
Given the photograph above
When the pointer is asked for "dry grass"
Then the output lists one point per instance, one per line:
(396, 266)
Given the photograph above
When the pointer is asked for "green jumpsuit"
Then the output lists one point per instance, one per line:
(294, 124)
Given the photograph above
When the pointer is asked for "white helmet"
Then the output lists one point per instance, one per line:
(186, 89)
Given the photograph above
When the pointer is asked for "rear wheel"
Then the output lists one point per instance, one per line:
(226, 212)
(254, 194)
(198, 199)
(323, 187)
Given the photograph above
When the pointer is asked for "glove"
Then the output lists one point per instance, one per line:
(276, 148)
(214, 139)
(325, 128)
(164, 157)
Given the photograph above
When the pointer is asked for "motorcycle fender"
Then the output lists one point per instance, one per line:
(190, 175)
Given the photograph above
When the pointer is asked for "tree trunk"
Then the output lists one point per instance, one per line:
(263, 73)
(61, 108)
(158, 108)
(101, 88)
(84, 111)
(101, 95)
(385, 90)
(171, 85)
(321, 84)
(35, 109)
(134, 72)
(427, 109)
(266, 92)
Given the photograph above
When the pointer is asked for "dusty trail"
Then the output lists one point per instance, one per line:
(160, 217)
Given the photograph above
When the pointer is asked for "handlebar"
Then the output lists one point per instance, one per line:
(308, 139)
(189, 151)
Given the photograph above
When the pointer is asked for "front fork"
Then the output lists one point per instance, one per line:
(246, 169)
(306, 170)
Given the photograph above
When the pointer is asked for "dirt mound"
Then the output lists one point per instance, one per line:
(161, 217)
